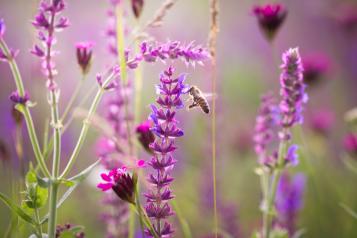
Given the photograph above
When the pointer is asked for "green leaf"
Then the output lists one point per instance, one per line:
(36, 196)
(67, 234)
(66, 182)
(349, 210)
(18, 210)
(20, 107)
(31, 177)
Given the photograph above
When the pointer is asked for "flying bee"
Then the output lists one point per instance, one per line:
(198, 99)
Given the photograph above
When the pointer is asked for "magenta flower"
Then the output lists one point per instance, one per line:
(137, 7)
(289, 200)
(270, 18)
(350, 143)
(321, 121)
(145, 135)
(315, 66)
(121, 182)
(166, 131)
(84, 55)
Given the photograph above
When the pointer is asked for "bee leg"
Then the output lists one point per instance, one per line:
(194, 104)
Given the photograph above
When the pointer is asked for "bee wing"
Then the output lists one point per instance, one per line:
(210, 96)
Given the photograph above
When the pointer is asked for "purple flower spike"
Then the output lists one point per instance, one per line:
(264, 129)
(84, 55)
(289, 200)
(292, 156)
(16, 98)
(270, 18)
(2, 28)
(292, 89)
(166, 131)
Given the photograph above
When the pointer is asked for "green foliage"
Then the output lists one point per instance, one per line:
(35, 195)
(16, 209)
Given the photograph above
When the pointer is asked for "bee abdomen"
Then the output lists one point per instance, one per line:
(203, 104)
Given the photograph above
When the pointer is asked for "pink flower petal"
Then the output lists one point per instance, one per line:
(105, 186)
(105, 177)
(140, 163)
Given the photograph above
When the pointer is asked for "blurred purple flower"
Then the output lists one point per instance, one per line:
(137, 7)
(17, 99)
(346, 16)
(350, 143)
(84, 55)
(270, 18)
(145, 135)
(2, 28)
(292, 89)
(289, 200)
(266, 120)
(165, 128)
(292, 156)
(315, 66)
(321, 121)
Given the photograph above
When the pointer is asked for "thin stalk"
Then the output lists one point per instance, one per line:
(123, 70)
(49, 148)
(85, 127)
(138, 204)
(212, 42)
(57, 125)
(269, 212)
(145, 219)
(38, 220)
(26, 112)
(73, 97)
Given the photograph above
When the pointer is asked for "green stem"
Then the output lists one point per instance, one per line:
(269, 212)
(52, 210)
(73, 98)
(38, 225)
(27, 115)
(85, 127)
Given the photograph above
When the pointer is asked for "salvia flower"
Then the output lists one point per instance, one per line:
(350, 144)
(121, 182)
(84, 55)
(292, 89)
(145, 135)
(18, 99)
(9, 57)
(289, 200)
(166, 131)
(266, 121)
(270, 18)
(47, 22)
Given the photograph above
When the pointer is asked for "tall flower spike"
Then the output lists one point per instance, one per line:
(266, 120)
(270, 18)
(292, 89)
(166, 131)
(289, 200)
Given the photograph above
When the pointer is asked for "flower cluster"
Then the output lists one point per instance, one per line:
(270, 18)
(17, 99)
(289, 200)
(266, 120)
(46, 23)
(166, 131)
(287, 114)
(292, 89)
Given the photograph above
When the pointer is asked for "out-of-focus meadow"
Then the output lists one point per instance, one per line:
(248, 66)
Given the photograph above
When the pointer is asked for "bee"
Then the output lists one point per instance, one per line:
(198, 99)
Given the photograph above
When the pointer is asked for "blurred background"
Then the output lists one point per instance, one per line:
(248, 65)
